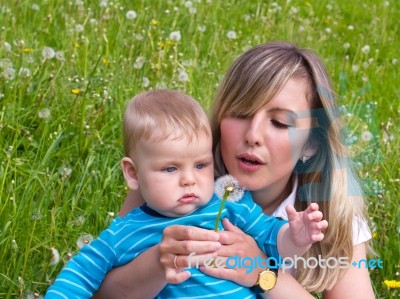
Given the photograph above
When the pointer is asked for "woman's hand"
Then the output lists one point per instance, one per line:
(182, 246)
(235, 242)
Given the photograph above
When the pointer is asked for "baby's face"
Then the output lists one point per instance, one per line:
(175, 176)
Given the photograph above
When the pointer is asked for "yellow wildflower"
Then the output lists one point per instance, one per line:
(27, 50)
(154, 22)
(76, 91)
(374, 235)
(105, 61)
(392, 284)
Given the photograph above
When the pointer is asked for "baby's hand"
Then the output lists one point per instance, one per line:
(306, 227)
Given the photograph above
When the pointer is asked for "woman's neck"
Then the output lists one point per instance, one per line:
(271, 197)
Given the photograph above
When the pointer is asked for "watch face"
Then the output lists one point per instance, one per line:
(267, 280)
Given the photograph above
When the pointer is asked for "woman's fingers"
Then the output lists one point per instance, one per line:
(181, 232)
(188, 247)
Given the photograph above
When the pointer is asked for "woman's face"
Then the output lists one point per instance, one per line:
(261, 151)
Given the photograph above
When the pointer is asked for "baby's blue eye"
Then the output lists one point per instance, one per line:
(200, 165)
(169, 169)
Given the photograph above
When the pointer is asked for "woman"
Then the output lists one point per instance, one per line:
(276, 130)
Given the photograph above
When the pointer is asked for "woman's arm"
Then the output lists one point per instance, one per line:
(287, 287)
(144, 277)
(355, 283)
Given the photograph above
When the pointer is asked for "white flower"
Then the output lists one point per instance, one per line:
(139, 62)
(131, 14)
(175, 36)
(7, 47)
(44, 113)
(24, 72)
(228, 183)
(84, 240)
(350, 27)
(48, 53)
(394, 61)
(328, 30)
(346, 45)
(35, 7)
(231, 35)
(55, 256)
(93, 21)
(5, 63)
(183, 76)
(60, 56)
(79, 28)
(366, 136)
(365, 49)
(64, 171)
(9, 73)
(103, 3)
(145, 82)
(111, 214)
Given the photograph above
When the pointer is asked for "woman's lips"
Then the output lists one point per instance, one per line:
(250, 162)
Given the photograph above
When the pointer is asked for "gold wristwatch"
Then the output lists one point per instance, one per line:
(266, 280)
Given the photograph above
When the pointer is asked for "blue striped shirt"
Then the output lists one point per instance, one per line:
(142, 228)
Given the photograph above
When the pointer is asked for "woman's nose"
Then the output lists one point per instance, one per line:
(254, 133)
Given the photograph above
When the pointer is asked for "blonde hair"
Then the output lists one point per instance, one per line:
(160, 115)
(254, 79)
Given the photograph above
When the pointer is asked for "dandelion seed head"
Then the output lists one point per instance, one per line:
(7, 47)
(183, 76)
(346, 45)
(84, 240)
(9, 73)
(79, 28)
(175, 36)
(355, 68)
(202, 28)
(231, 35)
(192, 10)
(139, 62)
(350, 27)
(365, 49)
(24, 72)
(55, 256)
(35, 7)
(226, 182)
(103, 3)
(131, 14)
(366, 136)
(48, 53)
(145, 82)
(60, 56)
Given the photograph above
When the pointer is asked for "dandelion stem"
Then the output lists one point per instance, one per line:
(228, 192)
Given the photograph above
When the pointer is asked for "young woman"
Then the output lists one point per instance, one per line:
(276, 130)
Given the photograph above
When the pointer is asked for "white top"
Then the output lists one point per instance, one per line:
(361, 232)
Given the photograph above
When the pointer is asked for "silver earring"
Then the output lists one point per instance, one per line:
(304, 159)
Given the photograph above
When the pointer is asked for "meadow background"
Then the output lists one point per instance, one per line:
(67, 69)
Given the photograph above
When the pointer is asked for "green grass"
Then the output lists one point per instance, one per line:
(60, 175)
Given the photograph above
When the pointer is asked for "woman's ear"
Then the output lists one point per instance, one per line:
(129, 171)
(310, 148)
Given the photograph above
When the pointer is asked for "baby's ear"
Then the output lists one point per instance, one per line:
(129, 171)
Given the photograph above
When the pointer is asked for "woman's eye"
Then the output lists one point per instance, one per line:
(279, 125)
(169, 169)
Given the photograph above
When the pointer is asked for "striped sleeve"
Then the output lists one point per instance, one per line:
(84, 273)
